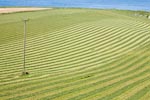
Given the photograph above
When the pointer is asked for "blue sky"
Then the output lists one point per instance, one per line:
(51, 2)
(142, 4)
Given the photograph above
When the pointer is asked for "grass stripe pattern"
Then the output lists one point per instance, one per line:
(75, 54)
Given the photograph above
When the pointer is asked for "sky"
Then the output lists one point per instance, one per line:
(120, 4)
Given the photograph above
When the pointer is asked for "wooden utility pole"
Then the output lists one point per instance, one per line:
(24, 47)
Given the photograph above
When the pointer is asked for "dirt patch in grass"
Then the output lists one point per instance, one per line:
(11, 10)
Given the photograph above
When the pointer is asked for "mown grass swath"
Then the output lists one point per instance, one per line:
(75, 54)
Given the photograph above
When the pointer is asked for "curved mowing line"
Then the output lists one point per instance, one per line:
(67, 31)
(38, 40)
(31, 33)
(82, 73)
(66, 39)
(106, 74)
(87, 49)
(146, 96)
(99, 90)
(32, 44)
(76, 42)
(79, 53)
(79, 89)
(101, 67)
(126, 88)
(90, 24)
(137, 91)
(140, 94)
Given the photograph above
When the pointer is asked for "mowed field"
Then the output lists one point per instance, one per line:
(75, 54)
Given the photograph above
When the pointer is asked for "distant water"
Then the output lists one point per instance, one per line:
(105, 4)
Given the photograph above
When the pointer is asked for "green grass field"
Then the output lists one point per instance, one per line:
(75, 54)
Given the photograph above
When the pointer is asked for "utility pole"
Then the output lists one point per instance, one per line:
(24, 47)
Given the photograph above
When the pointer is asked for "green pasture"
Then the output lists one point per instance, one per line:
(75, 54)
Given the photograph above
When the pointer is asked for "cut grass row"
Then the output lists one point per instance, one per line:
(108, 70)
(96, 56)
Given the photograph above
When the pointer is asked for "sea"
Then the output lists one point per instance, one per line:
(143, 5)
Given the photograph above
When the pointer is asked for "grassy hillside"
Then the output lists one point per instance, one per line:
(75, 54)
